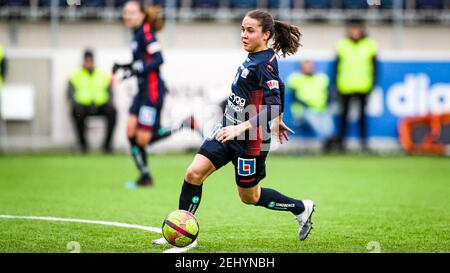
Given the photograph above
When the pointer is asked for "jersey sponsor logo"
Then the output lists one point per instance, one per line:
(153, 48)
(244, 73)
(246, 166)
(147, 115)
(236, 103)
(273, 84)
(237, 100)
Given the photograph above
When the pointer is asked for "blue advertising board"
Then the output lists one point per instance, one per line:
(404, 88)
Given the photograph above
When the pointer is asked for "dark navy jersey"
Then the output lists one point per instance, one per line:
(147, 59)
(257, 94)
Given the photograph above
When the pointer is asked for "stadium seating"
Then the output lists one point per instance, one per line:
(247, 4)
(274, 4)
(16, 3)
(388, 4)
(318, 4)
(119, 3)
(94, 3)
(47, 3)
(354, 4)
(429, 4)
(421, 9)
(164, 3)
(206, 3)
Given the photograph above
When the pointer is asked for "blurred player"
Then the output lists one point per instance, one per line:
(143, 126)
(243, 136)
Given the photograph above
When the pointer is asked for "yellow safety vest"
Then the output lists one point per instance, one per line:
(2, 55)
(312, 90)
(355, 68)
(90, 88)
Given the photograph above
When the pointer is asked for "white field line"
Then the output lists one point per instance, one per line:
(105, 223)
(181, 249)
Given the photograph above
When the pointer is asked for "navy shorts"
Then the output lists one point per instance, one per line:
(149, 114)
(249, 170)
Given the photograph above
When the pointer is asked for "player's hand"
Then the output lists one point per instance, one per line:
(115, 68)
(137, 67)
(230, 132)
(280, 130)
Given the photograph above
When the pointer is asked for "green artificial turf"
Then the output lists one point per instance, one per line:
(401, 204)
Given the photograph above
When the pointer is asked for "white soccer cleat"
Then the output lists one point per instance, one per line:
(160, 241)
(304, 219)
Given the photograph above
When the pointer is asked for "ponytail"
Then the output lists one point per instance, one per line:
(286, 38)
(154, 17)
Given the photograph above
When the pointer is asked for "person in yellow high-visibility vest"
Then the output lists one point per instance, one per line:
(90, 94)
(355, 74)
(310, 102)
(2, 66)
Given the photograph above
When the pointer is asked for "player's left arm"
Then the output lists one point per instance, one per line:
(278, 127)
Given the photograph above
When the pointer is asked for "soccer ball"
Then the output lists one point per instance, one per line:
(180, 228)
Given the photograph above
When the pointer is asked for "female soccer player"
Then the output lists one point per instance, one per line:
(243, 137)
(143, 126)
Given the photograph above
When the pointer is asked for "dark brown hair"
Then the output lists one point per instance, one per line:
(286, 37)
(152, 15)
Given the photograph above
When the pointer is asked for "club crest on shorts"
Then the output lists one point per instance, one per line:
(147, 115)
(246, 166)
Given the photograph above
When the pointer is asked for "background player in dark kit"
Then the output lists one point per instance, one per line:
(144, 126)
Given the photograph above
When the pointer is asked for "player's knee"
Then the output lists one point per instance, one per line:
(194, 176)
(143, 139)
(249, 199)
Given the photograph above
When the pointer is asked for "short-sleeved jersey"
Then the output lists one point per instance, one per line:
(256, 86)
(147, 50)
